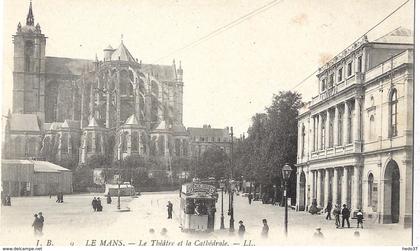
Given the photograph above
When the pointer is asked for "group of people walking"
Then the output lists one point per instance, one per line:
(345, 215)
(96, 204)
(264, 230)
(38, 223)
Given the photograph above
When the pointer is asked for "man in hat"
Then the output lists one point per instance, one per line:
(241, 230)
(41, 221)
(170, 209)
(346, 215)
(318, 234)
(336, 214)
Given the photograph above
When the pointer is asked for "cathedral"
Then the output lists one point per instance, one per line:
(115, 106)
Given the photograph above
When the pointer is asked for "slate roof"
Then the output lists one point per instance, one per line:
(400, 35)
(69, 66)
(208, 132)
(47, 167)
(163, 72)
(24, 122)
(122, 53)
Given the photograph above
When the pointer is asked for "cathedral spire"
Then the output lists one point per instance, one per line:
(30, 16)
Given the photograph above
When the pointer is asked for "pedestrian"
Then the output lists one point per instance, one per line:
(249, 198)
(318, 234)
(336, 214)
(94, 204)
(41, 222)
(345, 214)
(99, 205)
(328, 210)
(241, 230)
(58, 198)
(61, 197)
(265, 229)
(170, 209)
(8, 200)
(36, 225)
(108, 198)
(359, 217)
(211, 215)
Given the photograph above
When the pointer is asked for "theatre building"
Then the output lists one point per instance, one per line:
(356, 135)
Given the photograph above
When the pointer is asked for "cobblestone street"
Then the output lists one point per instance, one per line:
(63, 223)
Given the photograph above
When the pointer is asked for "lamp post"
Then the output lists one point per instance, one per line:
(222, 217)
(286, 171)
(232, 220)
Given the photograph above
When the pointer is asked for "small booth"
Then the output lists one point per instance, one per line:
(197, 207)
(126, 189)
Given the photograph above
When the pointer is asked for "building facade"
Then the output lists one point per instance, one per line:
(75, 108)
(356, 136)
(207, 137)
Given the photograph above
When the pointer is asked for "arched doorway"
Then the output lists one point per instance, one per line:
(302, 191)
(391, 193)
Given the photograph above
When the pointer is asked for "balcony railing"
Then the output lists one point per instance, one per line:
(335, 151)
(355, 79)
(399, 59)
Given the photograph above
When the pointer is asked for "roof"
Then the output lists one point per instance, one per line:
(70, 66)
(52, 126)
(162, 72)
(47, 167)
(122, 53)
(74, 124)
(15, 161)
(162, 126)
(209, 132)
(132, 120)
(179, 129)
(398, 36)
(24, 122)
(93, 122)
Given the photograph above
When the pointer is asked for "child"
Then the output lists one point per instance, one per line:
(359, 216)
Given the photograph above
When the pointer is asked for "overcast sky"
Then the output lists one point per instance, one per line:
(229, 77)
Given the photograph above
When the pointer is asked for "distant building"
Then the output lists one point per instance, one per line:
(206, 137)
(355, 137)
(28, 178)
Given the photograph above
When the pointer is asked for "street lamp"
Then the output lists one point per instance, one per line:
(222, 217)
(286, 171)
(232, 221)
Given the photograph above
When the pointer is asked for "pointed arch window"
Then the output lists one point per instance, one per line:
(370, 190)
(28, 53)
(135, 142)
(393, 113)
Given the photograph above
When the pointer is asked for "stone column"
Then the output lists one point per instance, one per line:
(356, 124)
(327, 130)
(345, 124)
(319, 131)
(336, 125)
(326, 187)
(356, 188)
(335, 187)
(313, 133)
(313, 189)
(344, 186)
(318, 187)
(298, 205)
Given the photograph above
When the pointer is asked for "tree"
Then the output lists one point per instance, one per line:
(213, 163)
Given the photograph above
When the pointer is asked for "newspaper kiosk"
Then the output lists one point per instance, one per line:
(197, 207)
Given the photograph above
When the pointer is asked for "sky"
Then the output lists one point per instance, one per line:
(227, 78)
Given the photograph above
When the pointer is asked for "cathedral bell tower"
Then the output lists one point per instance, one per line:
(29, 68)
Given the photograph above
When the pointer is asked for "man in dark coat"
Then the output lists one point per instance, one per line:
(328, 210)
(41, 222)
(36, 224)
(98, 205)
(108, 198)
(250, 198)
(346, 215)
(94, 204)
(170, 209)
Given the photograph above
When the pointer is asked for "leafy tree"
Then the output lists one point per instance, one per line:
(213, 163)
